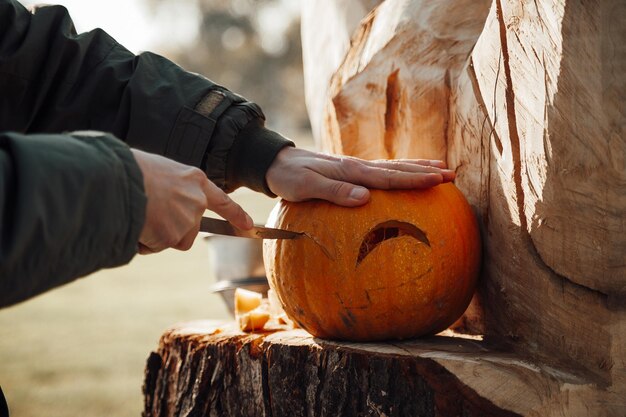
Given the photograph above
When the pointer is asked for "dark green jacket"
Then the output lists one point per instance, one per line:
(72, 203)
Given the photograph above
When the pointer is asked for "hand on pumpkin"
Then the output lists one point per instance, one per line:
(298, 175)
(177, 197)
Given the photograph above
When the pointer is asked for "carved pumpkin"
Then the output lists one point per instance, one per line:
(403, 265)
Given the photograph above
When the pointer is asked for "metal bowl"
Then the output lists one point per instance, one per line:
(236, 263)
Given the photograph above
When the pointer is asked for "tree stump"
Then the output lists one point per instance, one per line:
(204, 369)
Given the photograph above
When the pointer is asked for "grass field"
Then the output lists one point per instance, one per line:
(80, 350)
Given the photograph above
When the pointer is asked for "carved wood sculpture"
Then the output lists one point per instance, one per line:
(526, 100)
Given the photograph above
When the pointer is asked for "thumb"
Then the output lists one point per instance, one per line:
(219, 202)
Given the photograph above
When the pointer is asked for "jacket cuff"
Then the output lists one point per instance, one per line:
(136, 198)
(224, 135)
(137, 201)
(251, 155)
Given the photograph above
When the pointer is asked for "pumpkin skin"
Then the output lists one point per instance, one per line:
(402, 266)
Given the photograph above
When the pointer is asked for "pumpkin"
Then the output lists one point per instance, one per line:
(403, 265)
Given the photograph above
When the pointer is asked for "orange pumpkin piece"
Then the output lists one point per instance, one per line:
(403, 265)
(246, 300)
(250, 311)
(253, 320)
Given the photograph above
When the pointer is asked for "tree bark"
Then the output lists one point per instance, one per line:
(202, 369)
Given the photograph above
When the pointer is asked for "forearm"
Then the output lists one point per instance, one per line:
(54, 80)
(69, 205)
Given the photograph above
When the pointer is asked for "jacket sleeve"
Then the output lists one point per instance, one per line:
(55, 80)
(70, 205)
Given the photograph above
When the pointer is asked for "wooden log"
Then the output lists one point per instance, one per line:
(389, 97)
(204, 369)
(525, 100)
(521, 152)
(324, 47)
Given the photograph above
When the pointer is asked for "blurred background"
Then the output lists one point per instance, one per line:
(80, 350)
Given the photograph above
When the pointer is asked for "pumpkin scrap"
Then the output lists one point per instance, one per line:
(255, 313)
(246, 300)
(253, 320)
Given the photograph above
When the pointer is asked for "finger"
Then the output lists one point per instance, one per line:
(144, 250)
(424, 162)
(437, 163)
(386, 179)
(187, 241)
(380, 177)
(407, 166)
(219, 202)
(338, 192)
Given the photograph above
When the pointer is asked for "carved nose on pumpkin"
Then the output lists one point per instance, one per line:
(389, 230)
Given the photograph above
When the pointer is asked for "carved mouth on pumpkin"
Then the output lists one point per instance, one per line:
(389, 230)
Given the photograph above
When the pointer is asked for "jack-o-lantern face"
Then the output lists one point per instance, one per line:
(401, 266)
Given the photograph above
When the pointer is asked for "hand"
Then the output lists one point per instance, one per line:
(298, 175)
(177, 196)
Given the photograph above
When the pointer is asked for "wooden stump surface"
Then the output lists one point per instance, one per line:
(206, 369)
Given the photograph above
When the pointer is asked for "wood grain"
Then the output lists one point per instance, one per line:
(525, 100)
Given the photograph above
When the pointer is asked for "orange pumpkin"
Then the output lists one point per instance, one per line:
(403, 265)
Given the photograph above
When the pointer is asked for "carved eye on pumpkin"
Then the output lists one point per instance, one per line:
(389, 230)
(401, 266)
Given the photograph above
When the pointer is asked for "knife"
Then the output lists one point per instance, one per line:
(222, 227)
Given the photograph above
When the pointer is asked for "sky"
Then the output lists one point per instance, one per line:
(133, 24)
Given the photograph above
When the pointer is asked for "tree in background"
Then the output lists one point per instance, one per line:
(253, 48)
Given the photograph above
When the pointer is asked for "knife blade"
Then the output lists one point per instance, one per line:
(222, 227)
